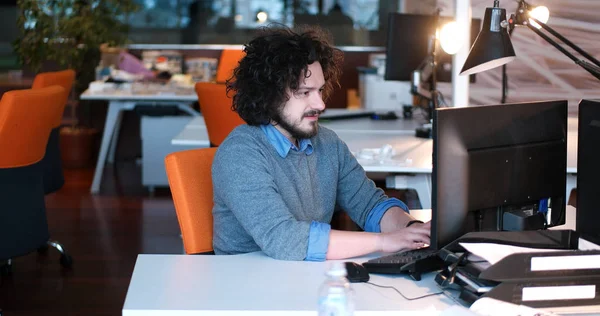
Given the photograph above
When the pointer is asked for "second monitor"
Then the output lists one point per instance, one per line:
(498, 167)
(408, 44)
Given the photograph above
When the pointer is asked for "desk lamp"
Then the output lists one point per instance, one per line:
(493, 47)
(426, 72)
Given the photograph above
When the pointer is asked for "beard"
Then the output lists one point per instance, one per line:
(294, 128)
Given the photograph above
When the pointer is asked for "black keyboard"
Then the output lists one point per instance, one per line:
(412, 262)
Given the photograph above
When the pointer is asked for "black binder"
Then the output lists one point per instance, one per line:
(567, 279)
(550, 295)
(556, 266)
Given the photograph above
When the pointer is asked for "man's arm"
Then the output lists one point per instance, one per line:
(394, 219)
(347, 244)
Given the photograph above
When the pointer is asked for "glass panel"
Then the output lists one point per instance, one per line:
(351, 22)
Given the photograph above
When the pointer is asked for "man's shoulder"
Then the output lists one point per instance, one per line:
(242, 139)
(243, 134)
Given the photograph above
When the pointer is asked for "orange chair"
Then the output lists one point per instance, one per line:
(215, 107)
(189, 174)
(228, 61)
(53, 173)
(26, 119)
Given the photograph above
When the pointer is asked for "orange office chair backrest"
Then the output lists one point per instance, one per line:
(228, 61)
(190, 180)
(215, 107)
(64, 78)
(25, 126)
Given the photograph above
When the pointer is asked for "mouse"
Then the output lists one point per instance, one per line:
(356, 272)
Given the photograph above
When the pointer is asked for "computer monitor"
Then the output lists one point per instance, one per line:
(408, 38)
(495, 166)
(588, 171)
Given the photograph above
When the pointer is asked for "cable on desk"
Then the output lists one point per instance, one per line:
(406, 298)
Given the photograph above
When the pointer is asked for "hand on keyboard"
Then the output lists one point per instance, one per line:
(412, 237)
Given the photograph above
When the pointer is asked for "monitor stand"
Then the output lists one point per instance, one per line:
(424, 131)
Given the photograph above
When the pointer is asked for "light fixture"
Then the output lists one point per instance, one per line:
(261, 16)
(451, 37)
(540, 13)
(493, 48)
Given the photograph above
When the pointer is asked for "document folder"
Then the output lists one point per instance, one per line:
(582, 294)
(545, 266)
(542, 239)
(557, 261)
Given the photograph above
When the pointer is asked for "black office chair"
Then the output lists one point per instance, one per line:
(25, 125)
(52, 163)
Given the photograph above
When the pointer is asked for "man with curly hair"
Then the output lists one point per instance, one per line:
(278, 179)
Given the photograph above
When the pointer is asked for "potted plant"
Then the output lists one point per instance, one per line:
(68, 34)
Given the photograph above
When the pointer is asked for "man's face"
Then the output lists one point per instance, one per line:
(299, 115)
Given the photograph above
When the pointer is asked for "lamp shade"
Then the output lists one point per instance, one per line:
(492, 47)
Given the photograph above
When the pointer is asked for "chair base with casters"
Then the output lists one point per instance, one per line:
(53, 181)
(22, 201)
(65, 259)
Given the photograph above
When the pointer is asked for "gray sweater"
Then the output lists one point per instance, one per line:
(266, 202)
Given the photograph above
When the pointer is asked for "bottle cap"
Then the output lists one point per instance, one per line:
(337, 268)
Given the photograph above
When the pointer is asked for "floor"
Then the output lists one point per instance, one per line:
(104, 234)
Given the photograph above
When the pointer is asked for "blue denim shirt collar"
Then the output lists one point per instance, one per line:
(282, 144)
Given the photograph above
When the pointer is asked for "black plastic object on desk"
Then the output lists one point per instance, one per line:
(391, 115)
(346, 116)
(412, 262)
(523, 267)
(540, 239)
(356, 272)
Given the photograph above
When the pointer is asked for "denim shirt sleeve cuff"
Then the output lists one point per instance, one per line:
(373, 221)
(318, 241)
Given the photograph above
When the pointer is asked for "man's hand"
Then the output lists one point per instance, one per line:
(413, 237)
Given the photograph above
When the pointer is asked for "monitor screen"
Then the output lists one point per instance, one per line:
(588, 171)
(407, 46)
(498, 167)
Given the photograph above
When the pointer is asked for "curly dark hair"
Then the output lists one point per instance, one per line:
(273, 65)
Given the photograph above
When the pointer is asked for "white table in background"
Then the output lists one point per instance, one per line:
(411, 164)
(119, 102)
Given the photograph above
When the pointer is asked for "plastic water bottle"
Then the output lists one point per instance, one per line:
(336, 297)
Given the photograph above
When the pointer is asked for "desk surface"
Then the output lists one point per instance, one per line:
(10, 83)
(254, 284)
(128, 96)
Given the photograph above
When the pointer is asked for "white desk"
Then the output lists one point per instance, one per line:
(254, 284)
(119, 102)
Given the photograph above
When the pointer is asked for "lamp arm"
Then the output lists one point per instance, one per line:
(592, 69)
(568, 42)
